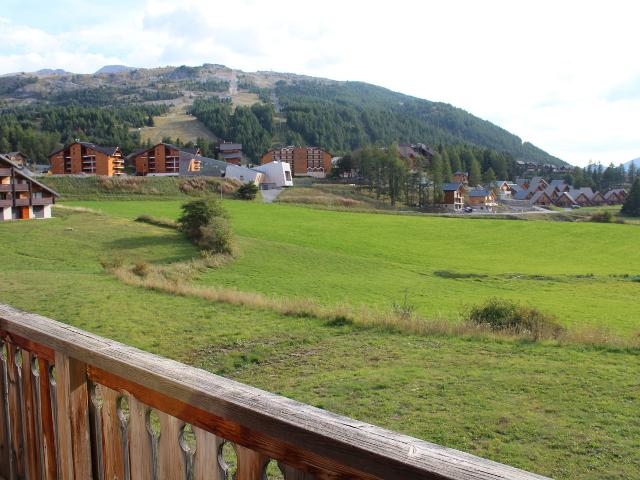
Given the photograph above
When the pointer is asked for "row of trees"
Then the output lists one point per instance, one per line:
(251, 126)
(38, 130)
(598, 177)
(419, 181)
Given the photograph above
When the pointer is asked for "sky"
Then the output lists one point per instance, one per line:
(564, 75)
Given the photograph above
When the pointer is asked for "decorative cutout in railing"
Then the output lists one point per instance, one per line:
(78, 406)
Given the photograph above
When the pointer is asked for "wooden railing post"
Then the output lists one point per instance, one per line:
(74, 447)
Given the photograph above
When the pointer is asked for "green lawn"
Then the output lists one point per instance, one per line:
(572, 270)
(562, 411)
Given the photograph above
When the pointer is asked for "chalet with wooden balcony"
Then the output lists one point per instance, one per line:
(453, 195)
(165, 159)
(77, 406)
(21, 196)
(482, 198)
(83, 158)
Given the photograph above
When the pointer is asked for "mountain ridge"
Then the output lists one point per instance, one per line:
(366, 113)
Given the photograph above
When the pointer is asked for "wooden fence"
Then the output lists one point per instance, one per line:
(78, 406)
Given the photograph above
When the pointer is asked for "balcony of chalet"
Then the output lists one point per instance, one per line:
(79, 406)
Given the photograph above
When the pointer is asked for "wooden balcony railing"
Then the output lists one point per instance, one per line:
(42, 201)
(5, 172)
(6, 202)
(78, 406)
(20, 187)
(6, 187)
(22, 202)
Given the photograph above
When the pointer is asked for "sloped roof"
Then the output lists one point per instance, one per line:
(479, 193)
(586, 191)
(230, 146)
(462, 173)
(523, 194)
(615, 191)
(19, 170)
(451, 187)
(538, 194)
(232, 155)
(191, 150)
(110, 151)
(568, 195)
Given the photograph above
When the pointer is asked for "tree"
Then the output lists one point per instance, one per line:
(475, 177)
(247, 191)
(632, 172)
(489, 176)
(631, 205)
(205, 223)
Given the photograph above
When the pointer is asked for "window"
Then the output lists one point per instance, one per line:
(287, 175)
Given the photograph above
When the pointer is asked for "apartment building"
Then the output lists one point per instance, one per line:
(307, 161)
(164, 159)
(80, 158)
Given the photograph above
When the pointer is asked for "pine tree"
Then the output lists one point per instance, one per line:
(475, 177)
(489, 176)
(631, 205)
(632, 172)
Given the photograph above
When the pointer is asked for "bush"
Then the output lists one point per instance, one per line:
(141, 269)
(604, 216)
(215, 236)
(247, 191)
(205, 223)
(505, 315)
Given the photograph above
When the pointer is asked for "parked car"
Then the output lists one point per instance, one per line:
(575, 206)
(468, 209)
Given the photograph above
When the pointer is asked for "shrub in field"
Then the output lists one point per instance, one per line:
(505, 315)
(247, 191)
(141, 269)
(205, 223)
(215, 236)
(604, 216)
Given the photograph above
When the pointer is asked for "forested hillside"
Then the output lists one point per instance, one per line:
(40, 111)
(348, 115)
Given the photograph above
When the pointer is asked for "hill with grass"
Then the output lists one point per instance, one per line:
(339, 116)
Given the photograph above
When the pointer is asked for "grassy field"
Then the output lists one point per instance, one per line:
(564, 411)
(582, 272)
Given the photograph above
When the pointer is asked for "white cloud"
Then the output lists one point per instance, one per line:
(559, 74)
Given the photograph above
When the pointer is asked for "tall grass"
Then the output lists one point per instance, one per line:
(175, 279)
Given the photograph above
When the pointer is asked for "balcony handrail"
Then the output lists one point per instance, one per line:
(307, 438)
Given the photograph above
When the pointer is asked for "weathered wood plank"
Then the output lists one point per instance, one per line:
(30, 418)
(49, 467)
(140, 442)
(74, 447)
(5, 439)
(40, 351)
(250, 464)
(206, 465)
(15, 413)
(113, 454)
(302, 436)
(171, 461)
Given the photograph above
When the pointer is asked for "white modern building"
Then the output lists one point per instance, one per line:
(271, 175)
(277, 174)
